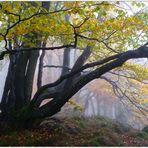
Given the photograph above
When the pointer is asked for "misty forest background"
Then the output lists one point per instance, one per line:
(74, 66)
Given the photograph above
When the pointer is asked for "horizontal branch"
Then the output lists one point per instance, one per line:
(3, 53)
(56, 66)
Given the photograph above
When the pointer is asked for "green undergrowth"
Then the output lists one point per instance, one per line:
(76, 131)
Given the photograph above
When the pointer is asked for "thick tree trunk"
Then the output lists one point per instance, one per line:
(19, 81)
(65, 87)
(30, 72)
(8, 103)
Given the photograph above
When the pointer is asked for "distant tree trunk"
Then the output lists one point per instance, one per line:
(40, 70)
(41, 64)
(66, 56)
(45, 5)
(66, 61)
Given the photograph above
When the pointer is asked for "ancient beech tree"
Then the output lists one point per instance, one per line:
(106, 34)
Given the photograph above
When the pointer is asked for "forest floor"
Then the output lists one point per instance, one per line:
(76, 131)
